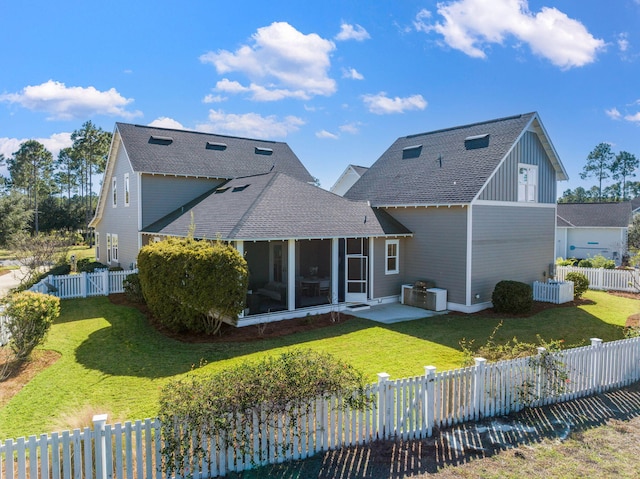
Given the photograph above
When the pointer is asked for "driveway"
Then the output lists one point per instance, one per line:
(8, 281)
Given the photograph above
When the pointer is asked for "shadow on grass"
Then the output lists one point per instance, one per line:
(460, 444)
(131, 347)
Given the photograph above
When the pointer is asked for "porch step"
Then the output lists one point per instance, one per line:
(358, 307)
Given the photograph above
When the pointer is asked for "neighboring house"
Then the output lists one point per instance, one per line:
(349, 176)
(585, 230)
(465, 207)
(480, 200)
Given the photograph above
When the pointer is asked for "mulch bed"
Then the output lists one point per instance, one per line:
(231, 334)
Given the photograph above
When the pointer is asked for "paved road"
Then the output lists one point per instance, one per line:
(8, 281)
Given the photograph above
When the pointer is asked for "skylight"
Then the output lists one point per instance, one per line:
(476, 141)
(411, 152)
(263, 151)
(212, 145)
(239, 188)
(161, 140)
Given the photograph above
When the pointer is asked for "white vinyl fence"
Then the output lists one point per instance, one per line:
(4, 334)
(99, 283)
(605, 279)
(405, 408)
(557, 292)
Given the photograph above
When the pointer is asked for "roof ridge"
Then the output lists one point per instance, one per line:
(495, 120)
(185, 130)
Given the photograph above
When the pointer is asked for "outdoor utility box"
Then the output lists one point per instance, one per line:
(436, 299)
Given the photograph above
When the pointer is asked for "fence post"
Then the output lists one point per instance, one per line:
(596, 344)
(478, 388)
(105, 282)
(540, 388)
(83, 285)
(383, 386)
(99, 422)
(430, 374)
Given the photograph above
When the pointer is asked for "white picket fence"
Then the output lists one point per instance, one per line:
(4, 334)
(556, 292)
(605, 279)
(407, 408)
(99, 283)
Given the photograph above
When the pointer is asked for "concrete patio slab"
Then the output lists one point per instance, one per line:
(390, 313)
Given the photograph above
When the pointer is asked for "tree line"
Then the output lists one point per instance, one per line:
(45, 194)
(614, 174)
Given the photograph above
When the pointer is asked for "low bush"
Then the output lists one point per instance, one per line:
(585, 263)
(89, 265)
(132, 288)
(512, 297)
(600, 261)
(30, 317)
(227, 403)
(580, 283)
(565, 262)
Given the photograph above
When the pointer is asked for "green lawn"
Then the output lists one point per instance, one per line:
(113, 362)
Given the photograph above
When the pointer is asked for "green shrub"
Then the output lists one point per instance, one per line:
(88, 265)
(273, 389)
(585, 263)
(512, 297)
(132, 289)
(193, 285)
(580, 283)
(59, 270)
(600, 261)
(565, 262)
(30, 317)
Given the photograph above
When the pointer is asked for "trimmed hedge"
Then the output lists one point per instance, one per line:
(193, 285)
(512, 297)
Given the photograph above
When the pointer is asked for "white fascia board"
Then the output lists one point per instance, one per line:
(114, 148)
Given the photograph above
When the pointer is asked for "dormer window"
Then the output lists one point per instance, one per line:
(409, 152)
(263, 151)
(527, 183)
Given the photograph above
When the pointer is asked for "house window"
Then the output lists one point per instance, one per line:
(392, 259)
(96, 238)
(126, 189)
(108, 248)
(528, 183)
(114, 193)
(114, 248)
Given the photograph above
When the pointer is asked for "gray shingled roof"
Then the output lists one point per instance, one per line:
(603, 215)
(445, 172)
(191, 153)
(276, 206)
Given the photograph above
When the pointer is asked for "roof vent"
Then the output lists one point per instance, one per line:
(222, 189)
(212, 145)
(263, 151)
(476, 141)
(409, 152)
(160, 140)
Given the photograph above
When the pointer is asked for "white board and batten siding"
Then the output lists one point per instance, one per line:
(408, 408)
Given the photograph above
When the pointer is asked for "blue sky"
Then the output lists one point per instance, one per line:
(338, 81)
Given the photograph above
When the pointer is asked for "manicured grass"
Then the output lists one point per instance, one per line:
(113, 361)
(81, 252)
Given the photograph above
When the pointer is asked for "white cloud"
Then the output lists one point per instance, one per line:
(471, 25)
(281, 63)
(351, 32)
(54, 143)
(352, 128)
(213, 99)
(71, 103)
(252, 125)
(166, 122)
(381, 104)
(352, 73)
(623, 42)
(635, 118)
(613, 113)
(324, 134)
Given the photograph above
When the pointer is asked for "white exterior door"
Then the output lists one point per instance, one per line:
(356, 274)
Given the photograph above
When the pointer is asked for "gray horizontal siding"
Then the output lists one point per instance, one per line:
(510, 243)
(163, 194)
(387, 284)
(504, 184)
(437, 251)
(121, 220)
